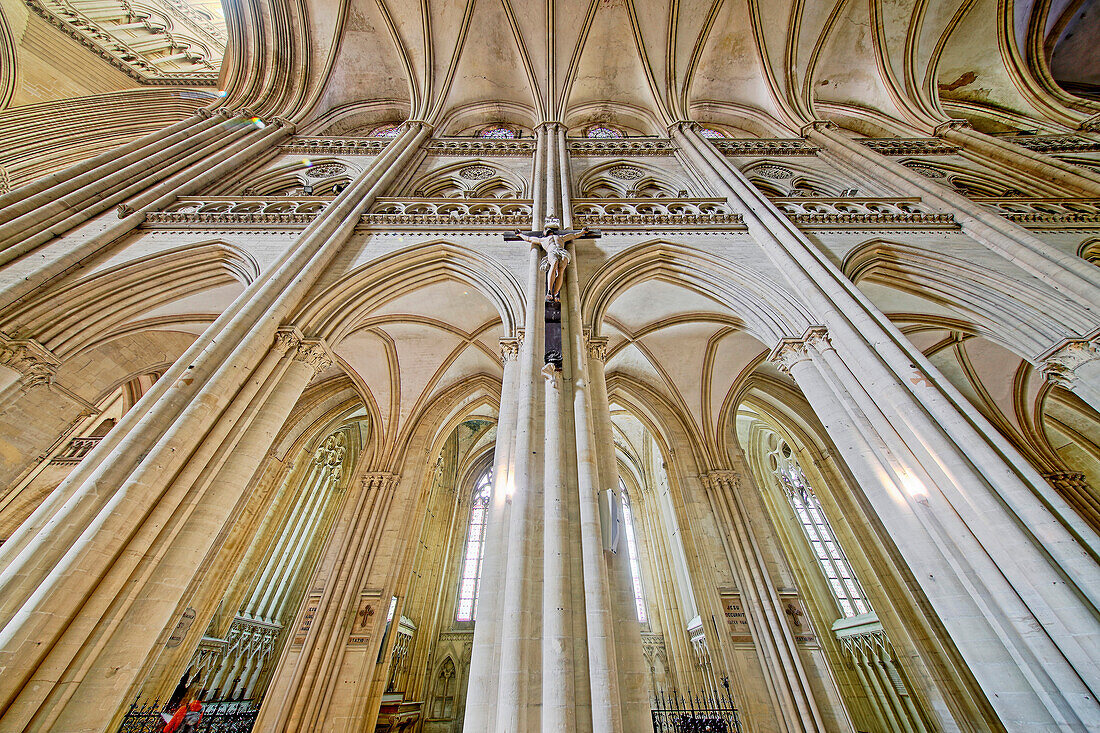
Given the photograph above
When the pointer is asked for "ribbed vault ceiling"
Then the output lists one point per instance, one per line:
(762, 65)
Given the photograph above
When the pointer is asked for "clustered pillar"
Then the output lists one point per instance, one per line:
(557, 644)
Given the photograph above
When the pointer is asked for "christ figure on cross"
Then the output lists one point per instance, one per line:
(553, 242)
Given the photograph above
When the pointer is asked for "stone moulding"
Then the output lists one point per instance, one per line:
(910, 146)
(870, 212)
(617, 147)
(765, 146)
(1046, 213)
(1055, 143)
(481, 146)
(811, 213)
(335, 145)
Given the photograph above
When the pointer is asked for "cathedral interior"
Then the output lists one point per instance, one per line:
(580, 366)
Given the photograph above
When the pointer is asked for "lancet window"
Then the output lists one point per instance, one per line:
(474, 551)
(632, 549)
(834, 563)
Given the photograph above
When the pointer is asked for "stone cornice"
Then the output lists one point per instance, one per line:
(481, 146)
(910, 146)
(314, 353)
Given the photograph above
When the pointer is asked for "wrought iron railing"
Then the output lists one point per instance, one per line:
(712, 712)
(216, 718)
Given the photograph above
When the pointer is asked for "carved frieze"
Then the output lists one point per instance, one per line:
(765, 146)
(335, 145)
(910, 146)
(849, 212)
(481, 146)
(1056, 143)
(620, 147)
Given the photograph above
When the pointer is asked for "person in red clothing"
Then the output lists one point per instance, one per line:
(186, 719)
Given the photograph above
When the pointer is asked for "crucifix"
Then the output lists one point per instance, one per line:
(552, 240)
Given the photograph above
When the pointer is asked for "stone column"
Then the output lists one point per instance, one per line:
(1008, 567)
(60, 570)
(998, 151)
(1067, 273)
(104, 164)
(780, 658)
(955, 567)
(204, 167)
(603, 673)
(558, 712)
(485, 656)
(518, 690)
(83, 197)
(634, 689)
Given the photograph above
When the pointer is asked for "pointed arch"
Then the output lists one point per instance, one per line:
(1018, 314)
(770, 312)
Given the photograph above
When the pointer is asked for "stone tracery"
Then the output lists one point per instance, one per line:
(255, 359)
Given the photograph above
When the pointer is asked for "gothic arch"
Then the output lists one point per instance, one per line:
(80, 314)
(1018, 314)
(350, 299)
(630, 179)
(470, 179)
(769, 312)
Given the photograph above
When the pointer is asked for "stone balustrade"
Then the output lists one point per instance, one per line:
(765, 146)
(1042, 213)
(335, 145)
(654, 212)
(847, 212)
(512, 213)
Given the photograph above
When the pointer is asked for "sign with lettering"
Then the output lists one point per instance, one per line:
(186, 619)
(312, 603)
(735, 617)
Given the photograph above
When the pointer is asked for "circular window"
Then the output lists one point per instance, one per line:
(602, 132)
(498, 133)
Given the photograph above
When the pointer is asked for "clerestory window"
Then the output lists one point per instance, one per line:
(474, 551)
(834, 563)
(632, 551)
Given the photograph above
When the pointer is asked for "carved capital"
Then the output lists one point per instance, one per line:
(315, 355)
(1090, 124)
(596, 346)
(124, 210)
(283, 122)
(205, 113)
(1067, 482)
(31, 359)
(510, 346)
(380, 480)
(955, 124)
(791, 351)
(287, 339)
(291, 343)
(818, 125)
(722, 480)
(1061, 365)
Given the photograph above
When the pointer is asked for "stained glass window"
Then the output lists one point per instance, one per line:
(386, 131)
(498, 133)
(834, 563)
(632, 550)
(602, 132)
(711, 133)
(469, 579)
